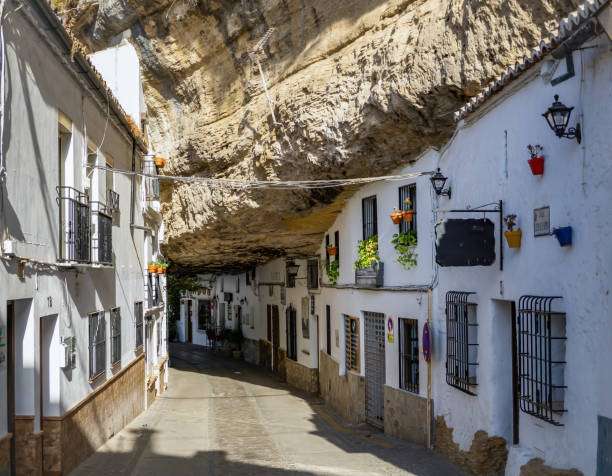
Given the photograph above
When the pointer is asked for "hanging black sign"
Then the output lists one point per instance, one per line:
(469, 242)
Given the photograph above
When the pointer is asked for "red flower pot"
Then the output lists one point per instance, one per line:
(537, 165)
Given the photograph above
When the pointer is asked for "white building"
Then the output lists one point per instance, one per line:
(516, 379)
(82, 323)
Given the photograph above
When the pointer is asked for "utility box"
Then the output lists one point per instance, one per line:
(68, 353)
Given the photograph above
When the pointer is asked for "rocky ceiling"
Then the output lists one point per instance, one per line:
(358, 88)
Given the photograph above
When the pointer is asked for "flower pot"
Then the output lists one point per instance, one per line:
(372, 277)
(514, 238)
(396, 218)
(408, 215)
(564, 235)
(537, 165)
(159, 269)
(160, 162)
(332, 250)
(152, 268)
(162, 270)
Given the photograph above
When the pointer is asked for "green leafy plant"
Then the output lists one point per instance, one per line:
(332, 270)
(367, 253)
(404, 244)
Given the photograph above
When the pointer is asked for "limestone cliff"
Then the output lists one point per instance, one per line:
(358, 88)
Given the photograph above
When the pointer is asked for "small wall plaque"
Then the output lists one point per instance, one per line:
(541, 221)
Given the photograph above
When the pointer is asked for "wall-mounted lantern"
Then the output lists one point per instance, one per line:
(292, 268)
(438, 181)
(558, 116)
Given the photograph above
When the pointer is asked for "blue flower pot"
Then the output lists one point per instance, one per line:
(564, 235)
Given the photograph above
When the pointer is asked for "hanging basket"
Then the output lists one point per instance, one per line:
(160, 162)
(332, 250)
(408, 215)
(152, 268)
(537, 165)
(396, 218)
(564, 235)
(514, 238)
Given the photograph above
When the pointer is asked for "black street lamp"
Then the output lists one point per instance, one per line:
(292, 268)
(438, 181)
(558, 116)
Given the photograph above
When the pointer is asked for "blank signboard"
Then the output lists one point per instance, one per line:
(467, 242)
(604, 446)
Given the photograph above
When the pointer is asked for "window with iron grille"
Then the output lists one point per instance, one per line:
(237, 284)
(369, 217)
(115, 316)
(351, 343)
(204, 314)
(269, 323)
(97, 344)
(139, 320)
(289, 279)
(328, 329)
(541, 348)
(409, 354)
(313, 274)
(247, 276)
(461, 342)
(292, 333)
(408, 192)
(337, 245)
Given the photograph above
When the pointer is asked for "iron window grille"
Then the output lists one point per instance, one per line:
(113, 201)
(409, 354)
(204, 315)
(292, 333)
(313, 274)
(102, 227)
(151, 182)
(337, 245)
(369, 218)
(97, 344)
(351, 343)
(139, 318)
(542, 340)
(115, 315)
(408, 192)
(326, 245)
(269, 323)
(328, 329)
(461, 342)
(75, 221)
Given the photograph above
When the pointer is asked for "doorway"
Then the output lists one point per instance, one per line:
(275, 339)
(10, 363)
(374, 368)
(190, 321)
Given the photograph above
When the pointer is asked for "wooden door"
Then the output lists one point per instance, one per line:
(10, 365)
(189, 320)
(275, 338)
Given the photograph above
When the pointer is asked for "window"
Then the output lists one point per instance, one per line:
(461, 341)
(541, 343)
(328, 329)
(292, 333)
(97, 344)
(351, 343)
(247, 276)
(159, 338)
(409, 354)
(369, 217)
(204, 314)
(337, 243)
(313, 274)
(326, 245)
(115, 315)
(289, 278)
(237, 284)
(408, 192)
(269, 323)
(139, 318)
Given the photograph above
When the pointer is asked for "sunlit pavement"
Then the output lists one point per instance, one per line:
(225, 417)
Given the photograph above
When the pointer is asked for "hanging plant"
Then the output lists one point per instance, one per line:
(536, 163)
(513, 237)
(396, 216)
(405, 244)
(152, 267)
(332, 271)
(332, 250)
(367, 253)
(160, 162)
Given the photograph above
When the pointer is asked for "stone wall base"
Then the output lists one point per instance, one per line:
(344, 393)
(406, 415)
(265, 354)
(302, 377)
(536, 467)
(487, 456)
(28, 447)
(250, 351)
(5, 455)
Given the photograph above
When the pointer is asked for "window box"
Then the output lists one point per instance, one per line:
(373, 276)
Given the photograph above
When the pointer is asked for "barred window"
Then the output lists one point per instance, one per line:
(369, 217)
(408, 192)
(292, 333)
(313, 274)
(139, 319)
(461, 342)
(409, 354)
(97, 344)
(204, 314)
(351, 343)
(115, 315)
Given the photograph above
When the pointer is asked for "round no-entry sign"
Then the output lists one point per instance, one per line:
(426, 343)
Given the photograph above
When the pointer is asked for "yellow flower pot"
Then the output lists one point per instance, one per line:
(514, 238)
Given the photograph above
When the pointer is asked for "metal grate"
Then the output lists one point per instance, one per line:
(337, 245)
(151, 183)
(313, 274)
(369, 217)
(75, 225)
(139, 317)
(408, 192)
(204, 314)
(102, 224)
(461, 341)
(374, 368)
(542, 341)
(97, 344)
(328, 329)
(409, 354)
(292, 333)
(351, 343)
(115, 316)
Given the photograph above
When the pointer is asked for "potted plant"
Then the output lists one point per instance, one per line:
(163, 267)
(408, 215)
(396, 216)
(537, 159)
(513, 237)
(332, 250)
(369, 271)
(332, 270)
(160, 162)
(564, 235)
(405, 244)
(152, 266)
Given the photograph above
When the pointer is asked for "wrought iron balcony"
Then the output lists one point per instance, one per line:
(102, 227)
(151, 184)
(75, 225)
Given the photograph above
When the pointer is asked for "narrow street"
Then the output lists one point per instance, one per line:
(221, 416)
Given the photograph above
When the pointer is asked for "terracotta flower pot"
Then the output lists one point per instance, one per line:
(152, 268)
(396, 218)
(537, 165)
(160, 162)
(514, 238)
(408, 215)
(162, 270)
(332, 250)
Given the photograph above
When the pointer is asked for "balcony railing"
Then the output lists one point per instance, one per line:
(151, 184)
(75, 223)
(102, 227)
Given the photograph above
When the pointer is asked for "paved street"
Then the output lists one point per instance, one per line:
(221, 416)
